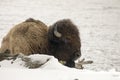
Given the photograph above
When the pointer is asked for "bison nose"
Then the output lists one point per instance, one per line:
(77, 55)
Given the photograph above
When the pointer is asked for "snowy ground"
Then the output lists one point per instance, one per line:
(51, 70)
(98, 22)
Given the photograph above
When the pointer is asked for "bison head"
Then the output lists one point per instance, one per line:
(64, 41)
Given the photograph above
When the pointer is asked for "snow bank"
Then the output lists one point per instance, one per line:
(39, 74)
(51, 70)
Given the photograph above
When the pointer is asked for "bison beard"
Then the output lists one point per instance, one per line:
(32, 36)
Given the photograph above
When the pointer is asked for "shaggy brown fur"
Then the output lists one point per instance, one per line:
(28, 37)
(32, 36)
(66, 47)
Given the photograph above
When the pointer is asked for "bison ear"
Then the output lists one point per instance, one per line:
(56, 33)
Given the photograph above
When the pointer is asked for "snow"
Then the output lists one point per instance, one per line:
(99, 25)
(51, 70)
(53, 75)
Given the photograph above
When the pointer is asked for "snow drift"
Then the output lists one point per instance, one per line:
(50, 69)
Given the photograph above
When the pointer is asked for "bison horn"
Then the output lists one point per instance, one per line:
(56, 33)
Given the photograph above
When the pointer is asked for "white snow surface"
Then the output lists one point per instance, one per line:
(98, 22)
(51, 70)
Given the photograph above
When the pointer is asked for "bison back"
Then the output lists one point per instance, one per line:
(28, 37)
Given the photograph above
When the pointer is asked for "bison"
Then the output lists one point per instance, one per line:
(34, 37)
